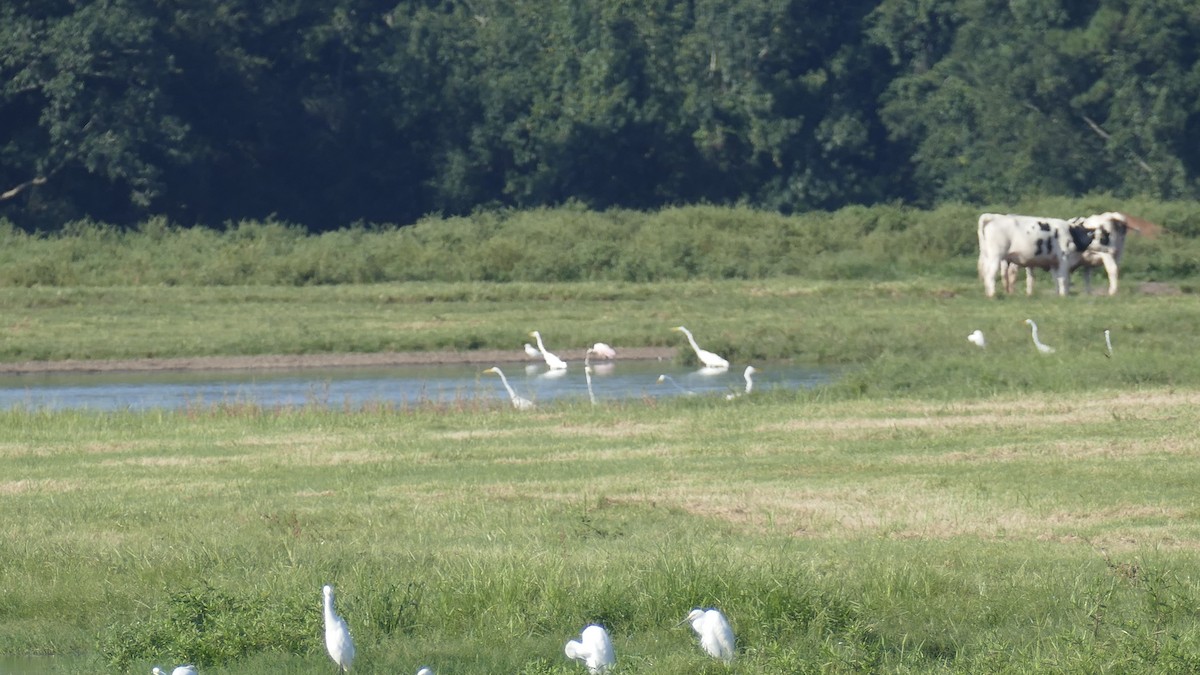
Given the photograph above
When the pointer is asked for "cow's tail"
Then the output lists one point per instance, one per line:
(984, 220)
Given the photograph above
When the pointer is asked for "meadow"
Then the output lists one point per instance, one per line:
(941, 509)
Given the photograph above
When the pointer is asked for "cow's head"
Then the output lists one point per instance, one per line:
(1081, 236)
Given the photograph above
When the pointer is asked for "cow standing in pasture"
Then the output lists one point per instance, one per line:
(1108, 244)
(1047, 243)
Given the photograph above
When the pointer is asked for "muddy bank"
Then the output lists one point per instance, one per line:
(292, 361)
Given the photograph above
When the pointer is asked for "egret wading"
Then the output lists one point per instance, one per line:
(1043, 348)
(337, 634)
(716, 636)
(667, 378)
(532, 352)
(594, 649)
(750, 370)
(603, 351)
(519, 402)
(709, 359)
(553, 361)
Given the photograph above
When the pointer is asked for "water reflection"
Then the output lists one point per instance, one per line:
(398, 386)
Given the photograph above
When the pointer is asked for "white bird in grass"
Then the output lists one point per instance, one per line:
(425, 671)
(553, 361)
(976, 338)
(716, 637)
(668, 378)
(594, 649)
(519, 402)
(532, 352)
(337, 634)
(179, 670)
(1108, 344)
(709, 359)
(750, 370)
(1045, 349)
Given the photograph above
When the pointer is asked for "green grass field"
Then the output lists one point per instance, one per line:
(941, 509)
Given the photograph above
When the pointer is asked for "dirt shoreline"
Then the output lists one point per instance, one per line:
(298, 361)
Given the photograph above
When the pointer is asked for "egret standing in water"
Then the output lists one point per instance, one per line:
(667, 378)
(709, 359)
(532, 352)
(179, 670)
(603, 351)
(716, 636)
(750, 370)
(519, 402)
(976, 338)
(553, 361)
(1107, 344)
(337, 634)
(1045, 349)
(594, 649)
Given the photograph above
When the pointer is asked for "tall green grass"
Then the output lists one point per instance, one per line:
(567, 244)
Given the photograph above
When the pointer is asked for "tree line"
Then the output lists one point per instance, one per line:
(330, 112)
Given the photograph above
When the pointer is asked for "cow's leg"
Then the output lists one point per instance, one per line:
(1028, 281)
(1087, 280)
(1110, 266)
(1062, 276)
(988, 269)
(1008, 272)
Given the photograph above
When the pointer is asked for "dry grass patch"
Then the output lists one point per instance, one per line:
(42, 486)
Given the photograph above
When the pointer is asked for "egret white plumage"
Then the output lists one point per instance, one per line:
(587, 373)
(1045, 349)
(425, 671)
(594, 649)
(1108, 343)
(553, 361)
(603, 351)
(532, 352)
(709, 359)
(716, 636)
(976, 338)
(750, 370)
(179, 670)
(667, 378)
(337, 634)
(519, 402)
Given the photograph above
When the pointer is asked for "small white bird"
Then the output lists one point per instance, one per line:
(594, 649)
(716, 636)
(425, 671)
(750, 370)
(603, 351)
(976, 338)
(1108, 344)
(519, 402)
(1045, 349)
(709, 359)
(553, 361)
(532, 351)
(179, 670)
(337, 634)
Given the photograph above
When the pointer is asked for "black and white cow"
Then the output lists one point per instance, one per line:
(1046, 243)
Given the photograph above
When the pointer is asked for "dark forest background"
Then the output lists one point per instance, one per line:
(332, 112)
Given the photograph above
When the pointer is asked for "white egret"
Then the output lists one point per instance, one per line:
(425, 671)
(976, 338)
(1045, 349)
(532, 352)
(553, 361)
(594, 649)
(1107, 343)
(519, 402)
(337, 634)
(179, 670)
(716, 637)
(671, 380)
(750, 370)
(709, 359)
(603, 351)
(587, 373)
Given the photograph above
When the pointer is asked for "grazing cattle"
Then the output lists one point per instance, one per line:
(1105, 251)
(1029, 241)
